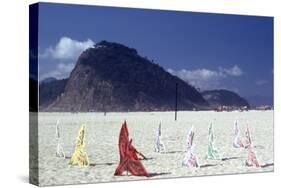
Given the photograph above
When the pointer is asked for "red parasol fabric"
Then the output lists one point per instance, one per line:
(129, 160)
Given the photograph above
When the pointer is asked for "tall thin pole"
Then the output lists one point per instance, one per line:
(176, 102)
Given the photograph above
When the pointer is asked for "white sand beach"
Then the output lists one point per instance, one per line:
(102, 134)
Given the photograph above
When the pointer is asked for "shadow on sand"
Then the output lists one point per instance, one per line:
(101, 164)
(229, 158)
(171, 152)
(259, 147)
(158, 174)
(209, 165)
(267, 165)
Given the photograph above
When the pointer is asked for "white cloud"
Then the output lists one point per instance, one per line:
(61, 71)
(261, 82)
(206, 78)
(189, 75)
(67, 48)
(233, 71)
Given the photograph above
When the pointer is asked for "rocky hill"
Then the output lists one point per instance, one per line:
(223, 97)
(113, 77)
(49, 91)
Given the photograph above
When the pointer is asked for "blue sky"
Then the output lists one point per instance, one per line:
(207, 50)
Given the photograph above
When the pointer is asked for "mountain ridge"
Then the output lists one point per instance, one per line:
(114, 77)
(223, 97)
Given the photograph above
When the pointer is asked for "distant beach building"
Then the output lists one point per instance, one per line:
(264, 107)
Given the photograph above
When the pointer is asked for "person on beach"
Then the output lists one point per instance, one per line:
(237, 143)
(129, 160)
(160, 147)
(59, 152)
(212, 153)
(79, 156)
(190, 160)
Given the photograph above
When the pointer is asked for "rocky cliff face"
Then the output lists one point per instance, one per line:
(113, 77)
